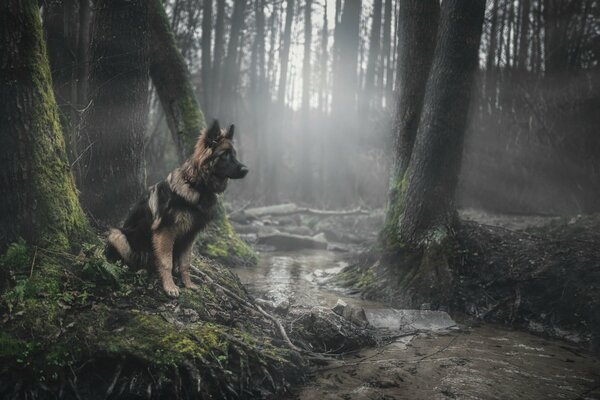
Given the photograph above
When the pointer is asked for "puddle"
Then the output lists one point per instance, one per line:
(300, 277)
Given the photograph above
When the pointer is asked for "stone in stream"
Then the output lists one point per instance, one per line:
(395, 320)
(406, 320)
(353, 314)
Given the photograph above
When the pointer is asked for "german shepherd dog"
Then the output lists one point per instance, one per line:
(161, 228)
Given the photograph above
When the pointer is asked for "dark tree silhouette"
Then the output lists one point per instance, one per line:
(116, 119)
(416, 34)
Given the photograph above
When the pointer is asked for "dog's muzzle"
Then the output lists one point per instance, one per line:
(239, 172)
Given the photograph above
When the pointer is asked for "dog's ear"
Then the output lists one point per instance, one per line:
(229, 134)
(212, 135)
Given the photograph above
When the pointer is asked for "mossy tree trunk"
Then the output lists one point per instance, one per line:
(175, 90)
(171, 79)
(421, 215)
(435, 163)
(116, 119)
(417, 31)
(38, 201)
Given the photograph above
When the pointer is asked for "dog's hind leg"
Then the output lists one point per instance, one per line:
(163, 242)
(118, 242)
(184, 266)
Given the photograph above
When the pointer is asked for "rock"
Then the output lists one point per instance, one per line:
(406, 320)
(287, 241)
(265, 304)
(354, 314)
(339, 307)
(282, 305)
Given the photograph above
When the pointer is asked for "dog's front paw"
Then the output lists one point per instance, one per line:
(171, 289)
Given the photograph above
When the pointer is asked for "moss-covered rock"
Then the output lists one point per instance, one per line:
(220, 242)
(76, 324)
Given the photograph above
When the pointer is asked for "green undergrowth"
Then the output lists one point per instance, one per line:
(78, 321)
(220, 242)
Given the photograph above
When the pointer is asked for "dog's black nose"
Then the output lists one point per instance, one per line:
(243, 171)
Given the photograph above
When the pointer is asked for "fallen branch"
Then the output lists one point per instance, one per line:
(289, 209)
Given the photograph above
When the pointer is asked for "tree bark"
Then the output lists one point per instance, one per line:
(83, 53)
(231, 64)
(172, 81)
(387, 62)
(306, 62)
(218, 58)
(116, 120)
(173, 85)
(285, 51)
(323, 60)
(340, 171)
(417, 29)
(38, 201)
(374, 50)
(60, 26)
(206, 54)
(345, 80)
(435, 163)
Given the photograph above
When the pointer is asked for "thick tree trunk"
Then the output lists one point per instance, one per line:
(38, 201)
(116, 119)
(304, 156)
(172, 82)
(83, 53)
(340, 171)
(435, 162)
(171, 79)
(417, 29)
(60, 26)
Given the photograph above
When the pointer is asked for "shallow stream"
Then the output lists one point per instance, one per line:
(475, 361)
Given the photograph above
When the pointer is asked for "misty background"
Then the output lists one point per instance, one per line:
(310, 85)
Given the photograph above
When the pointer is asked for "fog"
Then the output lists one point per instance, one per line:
(321, 133)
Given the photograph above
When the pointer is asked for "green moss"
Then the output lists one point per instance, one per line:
(192, 118)
(395, 207)
(66, 315)
(58, 217)
(220, 242)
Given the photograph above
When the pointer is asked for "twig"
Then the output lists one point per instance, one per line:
(33, 261)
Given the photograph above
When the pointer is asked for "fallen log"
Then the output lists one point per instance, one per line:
(288, 209)
(286, 241)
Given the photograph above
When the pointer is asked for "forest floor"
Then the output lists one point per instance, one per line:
(474, 360)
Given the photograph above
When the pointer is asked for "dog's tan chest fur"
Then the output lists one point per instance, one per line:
(184, 223)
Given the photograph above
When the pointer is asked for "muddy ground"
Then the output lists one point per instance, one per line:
(475, 360)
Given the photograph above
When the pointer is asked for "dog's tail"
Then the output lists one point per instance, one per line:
(118, 247)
